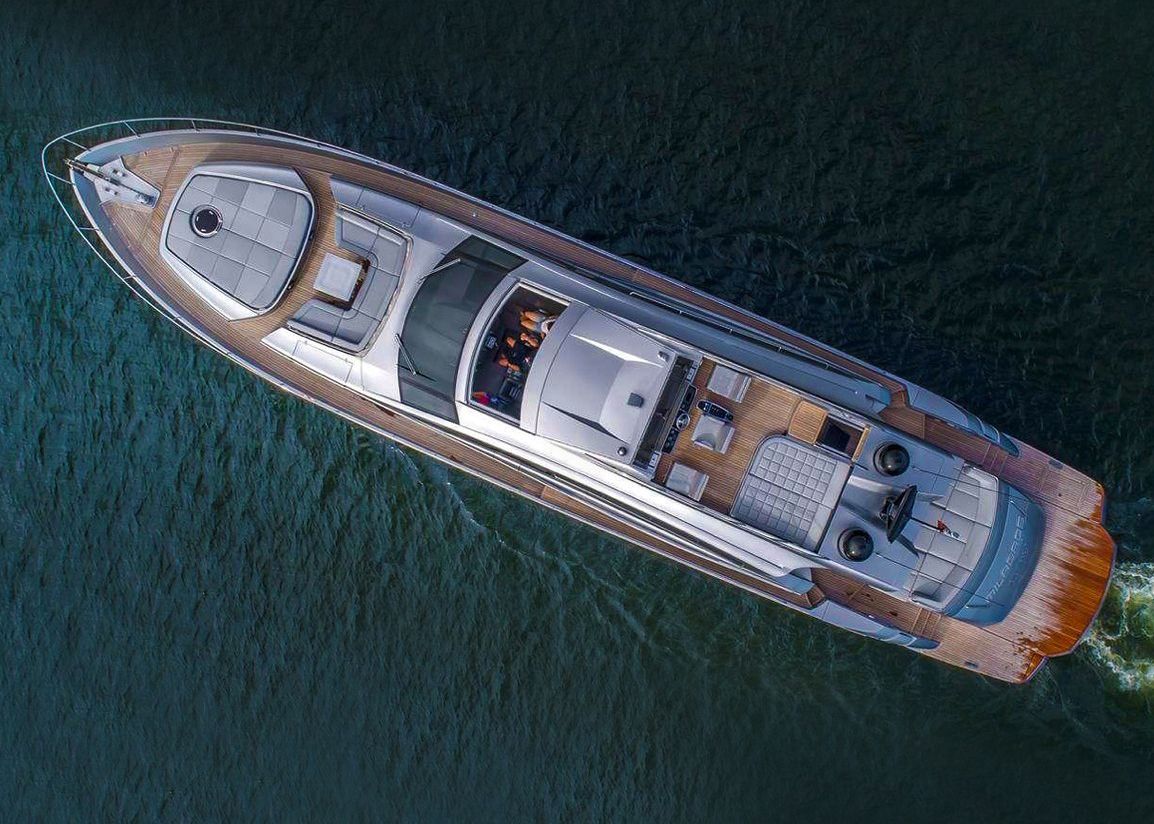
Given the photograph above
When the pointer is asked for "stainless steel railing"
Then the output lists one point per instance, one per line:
(59, 179)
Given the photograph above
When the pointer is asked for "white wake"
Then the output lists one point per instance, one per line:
(1122, 639)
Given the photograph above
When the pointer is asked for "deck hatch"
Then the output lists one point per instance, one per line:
(244, 236)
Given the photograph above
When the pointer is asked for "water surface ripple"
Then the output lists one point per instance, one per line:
(219, 602)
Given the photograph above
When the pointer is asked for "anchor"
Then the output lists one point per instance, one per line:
(112, 186)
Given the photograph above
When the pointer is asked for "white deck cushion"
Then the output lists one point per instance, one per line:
(729, 383)
(687, 481)
(791, 490)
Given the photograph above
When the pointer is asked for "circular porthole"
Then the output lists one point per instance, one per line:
(855, 545)
(206, 221)
(892, 459)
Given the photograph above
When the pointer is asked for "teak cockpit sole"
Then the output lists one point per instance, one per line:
(1059, 603)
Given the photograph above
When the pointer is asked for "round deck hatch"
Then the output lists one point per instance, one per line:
(206, 221)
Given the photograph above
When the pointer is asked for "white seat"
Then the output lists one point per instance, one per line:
(729, 383)
(337, 277)
(351, 328)
(687, 481)
(713, 433)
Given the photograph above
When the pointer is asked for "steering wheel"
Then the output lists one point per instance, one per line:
(896, 512)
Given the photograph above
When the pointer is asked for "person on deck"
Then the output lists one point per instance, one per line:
(534, 320)
(503, 360)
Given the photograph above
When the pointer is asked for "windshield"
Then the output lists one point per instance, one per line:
(433, 338)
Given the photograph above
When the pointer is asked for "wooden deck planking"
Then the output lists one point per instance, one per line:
(1077, 554)
(766, 410)
(807, 422)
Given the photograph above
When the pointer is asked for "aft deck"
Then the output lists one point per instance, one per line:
(767, 409)
(1060, 601)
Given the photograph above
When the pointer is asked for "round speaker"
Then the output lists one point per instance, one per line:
(855, 545)
(892, 459)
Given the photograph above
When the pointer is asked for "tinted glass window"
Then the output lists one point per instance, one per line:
(438, 322)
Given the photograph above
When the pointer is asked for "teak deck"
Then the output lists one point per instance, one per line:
(1063, 595)
(767, 409)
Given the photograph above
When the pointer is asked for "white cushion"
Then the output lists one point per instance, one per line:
(729, 383)
(713, 433)
(687, 481)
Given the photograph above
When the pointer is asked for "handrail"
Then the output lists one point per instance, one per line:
(54, 180)
(133, 128)
(197, 124)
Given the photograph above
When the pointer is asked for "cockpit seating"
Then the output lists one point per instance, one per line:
(509, 347)
(687, 481)
(713, 433)
(350, 327)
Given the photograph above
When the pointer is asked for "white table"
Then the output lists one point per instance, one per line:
(337, 277)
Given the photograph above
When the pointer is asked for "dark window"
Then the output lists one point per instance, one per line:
(839, 436)
(669, 404)
(438, 322)
(508, 348)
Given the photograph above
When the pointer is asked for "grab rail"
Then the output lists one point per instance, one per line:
(133, 127)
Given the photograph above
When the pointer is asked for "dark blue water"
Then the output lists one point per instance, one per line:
(218, 602)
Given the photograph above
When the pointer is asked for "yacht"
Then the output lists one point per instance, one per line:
(597, 387)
